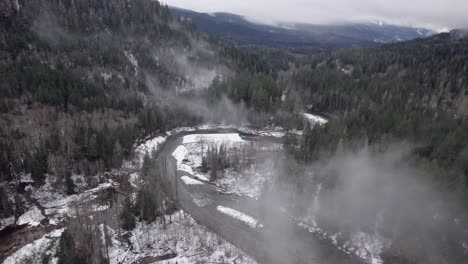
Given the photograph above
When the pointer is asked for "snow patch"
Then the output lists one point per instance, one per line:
(366, 246)
(248, 183)
(135, 179)
(33, 217)
(149, 146)
(315, 120)
(31, 253)
(106, 76)
(26, 178)
(6, 222)
(179, 154)
(132, 60)
(283, 95)
(185, 168)
(190, 181)
(227, 138)
(252, 222)
(369, 246)
(193, 243)
(201, 177)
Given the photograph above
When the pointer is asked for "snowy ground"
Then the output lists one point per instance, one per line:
(315, 120)
(366, 246)
(229, 138)
(191, 242)
(252, 222)
(32, 253)
(193, 145)
(148, 147)
(247, 182)
(250, 181)
(33, 217)
(277, 132)
(190, 181)
(59, 206)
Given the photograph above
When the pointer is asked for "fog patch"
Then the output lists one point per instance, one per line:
(222, 111)
(197, 63)
(47, 28)
(375, 204)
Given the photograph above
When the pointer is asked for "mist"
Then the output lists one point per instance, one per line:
(197, 66)
(222, 111)
(372, 198)
(437, 15)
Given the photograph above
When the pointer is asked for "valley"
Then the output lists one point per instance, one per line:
(135, 132)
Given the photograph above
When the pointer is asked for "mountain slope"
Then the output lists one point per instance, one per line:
(82, 81)
(237, 29)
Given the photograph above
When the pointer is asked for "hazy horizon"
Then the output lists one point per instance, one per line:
(436, 15)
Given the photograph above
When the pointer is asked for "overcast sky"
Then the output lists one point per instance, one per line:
(435, 14)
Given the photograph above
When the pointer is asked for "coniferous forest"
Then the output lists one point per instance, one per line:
(84, 82)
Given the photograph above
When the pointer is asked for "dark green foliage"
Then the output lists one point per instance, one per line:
(126, 137)
(37, 165)
(55, 86)
(53, 144)
(147, 206)
(147, 203)
(127, 215)
(6, 160)
(5, 208)
(150, 119)
(398, 92)
(108, 145)
(67, 252)
(45, 259)
(17, 134)
(260, 91)
(290, 140)
(69, 184)
(246, 60)
(147, 166)
(204, 165)
(153, 198)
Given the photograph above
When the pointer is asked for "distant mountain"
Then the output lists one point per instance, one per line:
(237, 29)
(459, 33)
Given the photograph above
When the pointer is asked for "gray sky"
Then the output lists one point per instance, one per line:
(436, 14)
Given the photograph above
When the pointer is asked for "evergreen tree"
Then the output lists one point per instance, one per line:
(70, 186)
(38, 165)
(67, 252)
(128, 215)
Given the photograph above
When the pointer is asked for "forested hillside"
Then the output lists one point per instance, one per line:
(71, 97)
(415, 91)
(411, 98)
(82, 81)
(299, 36)
(86, 83)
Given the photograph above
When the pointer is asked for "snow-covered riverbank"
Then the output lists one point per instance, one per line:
(247, 182)
(183, 237)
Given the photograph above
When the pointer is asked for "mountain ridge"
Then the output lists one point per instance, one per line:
(239, 30)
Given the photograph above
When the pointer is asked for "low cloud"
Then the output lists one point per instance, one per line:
(439, 15)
